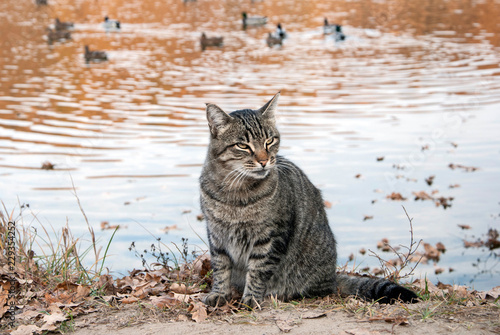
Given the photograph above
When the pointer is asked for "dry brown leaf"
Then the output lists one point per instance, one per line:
(82, 292)
(129, 300)
(26, 330)
(199, 312)
(164, 301)
(313, 315)
(178, 288)
(367, 217)
(440, 247)
(396, 196)
(422, 195)
(54, 318)
(464, 226)
(431, 252)
(285, 325)
(492, 294)
(169, 228)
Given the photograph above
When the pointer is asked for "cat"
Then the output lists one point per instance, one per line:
(267, 227)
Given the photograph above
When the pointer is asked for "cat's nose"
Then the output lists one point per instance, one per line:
(263, 162)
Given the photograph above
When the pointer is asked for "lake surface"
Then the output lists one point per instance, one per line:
(415, 84)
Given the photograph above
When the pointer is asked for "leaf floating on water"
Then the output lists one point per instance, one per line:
(460, 166)
(440, 247)
(464, 226)
(384, 245)
(106, 226)
(422, 195)
(47, 166)
(169, 228)
(396, 196)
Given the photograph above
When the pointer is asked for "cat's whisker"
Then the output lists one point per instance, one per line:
(230, 175)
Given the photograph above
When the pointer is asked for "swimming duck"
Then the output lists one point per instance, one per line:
(253, 20)
(94, 56)
(111, 24)
(280, 32)
(59, 25)
(210, 41)
(57, 35)
(273, 40)
(333, 29)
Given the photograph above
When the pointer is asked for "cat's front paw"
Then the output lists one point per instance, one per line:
(249, 302)
(215, 299)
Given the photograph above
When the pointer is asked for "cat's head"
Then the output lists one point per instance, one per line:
(245, 142)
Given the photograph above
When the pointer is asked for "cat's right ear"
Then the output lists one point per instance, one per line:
(218, 120)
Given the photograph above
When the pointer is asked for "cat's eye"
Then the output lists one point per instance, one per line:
(269, 141)
(242, 146)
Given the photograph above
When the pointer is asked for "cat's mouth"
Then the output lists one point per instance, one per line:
(259, 174)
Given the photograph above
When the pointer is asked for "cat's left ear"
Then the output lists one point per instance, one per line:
(269, 109)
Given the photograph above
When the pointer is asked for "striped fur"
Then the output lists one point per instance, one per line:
(267, 226)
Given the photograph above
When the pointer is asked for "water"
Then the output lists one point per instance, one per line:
(416, 85)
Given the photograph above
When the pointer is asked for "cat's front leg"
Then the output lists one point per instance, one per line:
(221, 287)
(262, 264)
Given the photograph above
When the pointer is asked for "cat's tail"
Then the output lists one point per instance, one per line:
(377, 289)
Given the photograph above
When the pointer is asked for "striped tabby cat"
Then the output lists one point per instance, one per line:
(266, 222)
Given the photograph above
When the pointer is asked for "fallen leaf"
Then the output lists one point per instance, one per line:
(396, 196)
(431, 252)
(47, 166)
(199, 312)
(328, 204)
(54, 318)
(313, 315)
(422, 195)
(130, 300)
(440, 247)
(26, 330)
(430, 180)
(199, 217)
(492, 294)
(285, 325)
(169, 228)
(379, 159)
(438, 270)
(464, 226)
(164, 301)
(367, 217)
(454, 186)
(362, 251)
(460, 166)
(358, 175)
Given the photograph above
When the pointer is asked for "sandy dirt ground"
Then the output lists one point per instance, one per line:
(383, 320)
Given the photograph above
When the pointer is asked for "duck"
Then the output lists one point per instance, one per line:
(111, 24)
(59, 25)
(280, 32)
(253, 20)
(210, 41)
(94, 56)
(273, 40)
(57, 35)
(333, 29)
